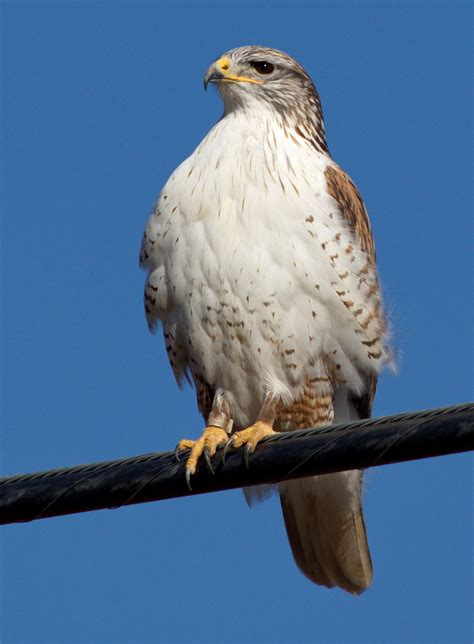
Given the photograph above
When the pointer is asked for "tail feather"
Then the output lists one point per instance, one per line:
(326, 530)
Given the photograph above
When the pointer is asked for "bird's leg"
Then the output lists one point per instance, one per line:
(263, 426)
(216, 432)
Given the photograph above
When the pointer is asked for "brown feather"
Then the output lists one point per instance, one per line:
(343, 190)
(323, 514)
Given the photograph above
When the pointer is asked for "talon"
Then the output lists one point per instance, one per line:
(207, 458)
(250, 437)
(183, 444)
(188, 479)
(206, 445)
(247, 452)
(227, 446)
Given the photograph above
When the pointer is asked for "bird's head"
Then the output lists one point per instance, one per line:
(254, 77)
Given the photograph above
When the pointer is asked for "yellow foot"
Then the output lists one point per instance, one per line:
(210, 440)
(249, 437)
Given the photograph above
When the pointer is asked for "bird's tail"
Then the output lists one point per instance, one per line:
(326, 530)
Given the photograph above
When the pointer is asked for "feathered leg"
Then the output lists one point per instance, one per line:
(219, 426)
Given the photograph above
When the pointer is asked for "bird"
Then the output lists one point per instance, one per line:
(261, 270)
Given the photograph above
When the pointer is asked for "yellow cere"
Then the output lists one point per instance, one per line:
(223, 64)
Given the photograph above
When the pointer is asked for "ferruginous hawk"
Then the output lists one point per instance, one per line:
(261, 269)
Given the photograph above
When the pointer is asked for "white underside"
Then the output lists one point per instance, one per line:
(247, 295)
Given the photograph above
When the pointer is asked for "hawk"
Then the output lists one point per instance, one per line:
(261, 270)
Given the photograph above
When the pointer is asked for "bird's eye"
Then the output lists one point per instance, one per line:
(262, 67)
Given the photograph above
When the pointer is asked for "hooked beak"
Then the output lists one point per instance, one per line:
(213, 75)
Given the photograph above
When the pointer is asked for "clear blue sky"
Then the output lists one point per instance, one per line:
(100, 102)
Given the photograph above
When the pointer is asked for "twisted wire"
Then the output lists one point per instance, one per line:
(275, 438)
(282, 456)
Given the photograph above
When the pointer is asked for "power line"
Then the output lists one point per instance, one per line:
(157, 476)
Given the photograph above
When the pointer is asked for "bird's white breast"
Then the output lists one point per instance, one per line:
(240, 252)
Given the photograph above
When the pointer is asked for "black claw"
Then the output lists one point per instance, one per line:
(188, 480)
(207, 458)
(247, 453)
(176, 453)
(227, 446)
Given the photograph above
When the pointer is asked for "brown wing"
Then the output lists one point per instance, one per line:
(343, 190)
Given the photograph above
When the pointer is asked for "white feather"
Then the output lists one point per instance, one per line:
(237, 255)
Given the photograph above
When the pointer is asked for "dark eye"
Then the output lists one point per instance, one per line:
(262, 67)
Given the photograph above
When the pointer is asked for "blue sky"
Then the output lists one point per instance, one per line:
(100, 102)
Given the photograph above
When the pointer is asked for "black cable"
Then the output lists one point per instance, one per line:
(157, 476)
